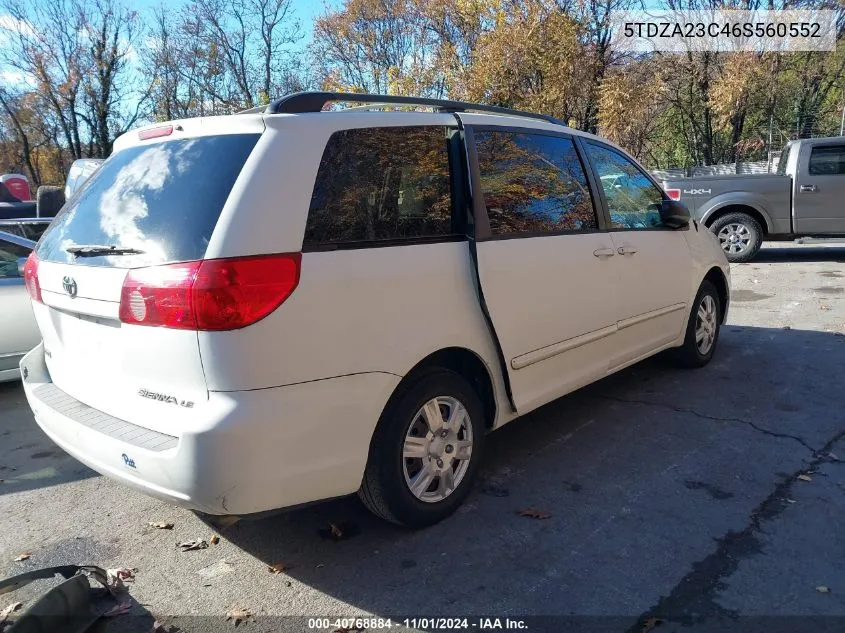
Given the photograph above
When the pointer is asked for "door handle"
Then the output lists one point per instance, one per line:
(808, 188)
(626, 250)
(604, 252)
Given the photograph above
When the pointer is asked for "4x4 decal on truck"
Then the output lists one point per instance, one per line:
(697, 192)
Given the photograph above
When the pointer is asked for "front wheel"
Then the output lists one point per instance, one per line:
(740, 236)
(702, 329)
(425, 451)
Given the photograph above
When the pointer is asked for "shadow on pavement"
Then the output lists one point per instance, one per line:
(28, 458)
(646, 466)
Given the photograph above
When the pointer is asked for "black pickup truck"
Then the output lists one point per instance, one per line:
(48, 202)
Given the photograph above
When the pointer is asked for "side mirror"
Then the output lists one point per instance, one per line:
(21, 265)
(674, 214)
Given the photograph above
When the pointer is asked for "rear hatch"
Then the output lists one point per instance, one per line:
(150, 205)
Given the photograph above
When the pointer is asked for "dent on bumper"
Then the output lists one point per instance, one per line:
(256, 451)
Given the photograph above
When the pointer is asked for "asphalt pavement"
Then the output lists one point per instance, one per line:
(678, 500)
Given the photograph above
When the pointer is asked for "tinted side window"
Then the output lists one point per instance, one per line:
(381, 184)
(533, 184)
(633, 201)
(827, 160)
(9, 255)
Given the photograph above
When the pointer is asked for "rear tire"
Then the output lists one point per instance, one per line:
(703, 328)
(415, 491)
(740, 236)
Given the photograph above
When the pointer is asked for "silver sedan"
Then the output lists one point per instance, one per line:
(18, 332)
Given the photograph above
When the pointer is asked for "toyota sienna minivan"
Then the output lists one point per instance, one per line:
(251, 312)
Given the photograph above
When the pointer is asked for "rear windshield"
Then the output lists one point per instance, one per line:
(163, 199)
(784, 155)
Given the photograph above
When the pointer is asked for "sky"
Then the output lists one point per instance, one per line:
(306, 11)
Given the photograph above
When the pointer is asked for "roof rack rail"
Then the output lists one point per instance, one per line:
(301, 102)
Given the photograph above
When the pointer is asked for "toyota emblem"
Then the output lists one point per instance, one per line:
(69, 284)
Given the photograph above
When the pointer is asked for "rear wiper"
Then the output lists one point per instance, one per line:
(105, 249)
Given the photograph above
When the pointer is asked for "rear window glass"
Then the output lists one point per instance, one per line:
(784, 156)
(827, 160)
(163, 199)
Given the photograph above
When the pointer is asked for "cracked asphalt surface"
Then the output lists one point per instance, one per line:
(685, 500)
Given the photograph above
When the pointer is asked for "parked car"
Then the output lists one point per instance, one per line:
(17, 323)
(30, 228)
(802, 201)
(351, 300)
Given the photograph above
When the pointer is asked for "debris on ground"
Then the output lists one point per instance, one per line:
(823, 589)
(161, 525)
(119, 609)
(5, 613)
(159, 627)
(278, 568)
(534, 513)
(805, 478)
(116, 579)
(650, 624)
(339, 531)
(214, 540)
(187, 546)
(238, 615)
(23, 557)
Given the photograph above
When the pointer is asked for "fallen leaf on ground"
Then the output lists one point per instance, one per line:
(214, 539)
(650, 624)
(339, 531)
(224, 521)
(278, 568)
(825, 308)
(116, 578)
(805, 478)
(534, 513)
(159, 627)
(238, 615)
(9, 610)
(188, 546)
(118, 609)
(823, 589)
(161, 525)
(23, 557)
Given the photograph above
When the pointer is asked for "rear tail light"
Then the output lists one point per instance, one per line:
(212, 294)
(30, 277)
(674, 194)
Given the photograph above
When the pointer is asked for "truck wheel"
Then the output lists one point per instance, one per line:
(702, 329)
(425, 451)
(740, 236)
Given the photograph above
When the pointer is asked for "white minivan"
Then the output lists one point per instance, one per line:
(257, 311)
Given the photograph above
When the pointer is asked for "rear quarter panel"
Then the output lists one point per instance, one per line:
(354, 311)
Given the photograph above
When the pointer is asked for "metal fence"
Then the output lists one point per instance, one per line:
(757, 167)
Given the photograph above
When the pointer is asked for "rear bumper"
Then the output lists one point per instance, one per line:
(251, 451)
